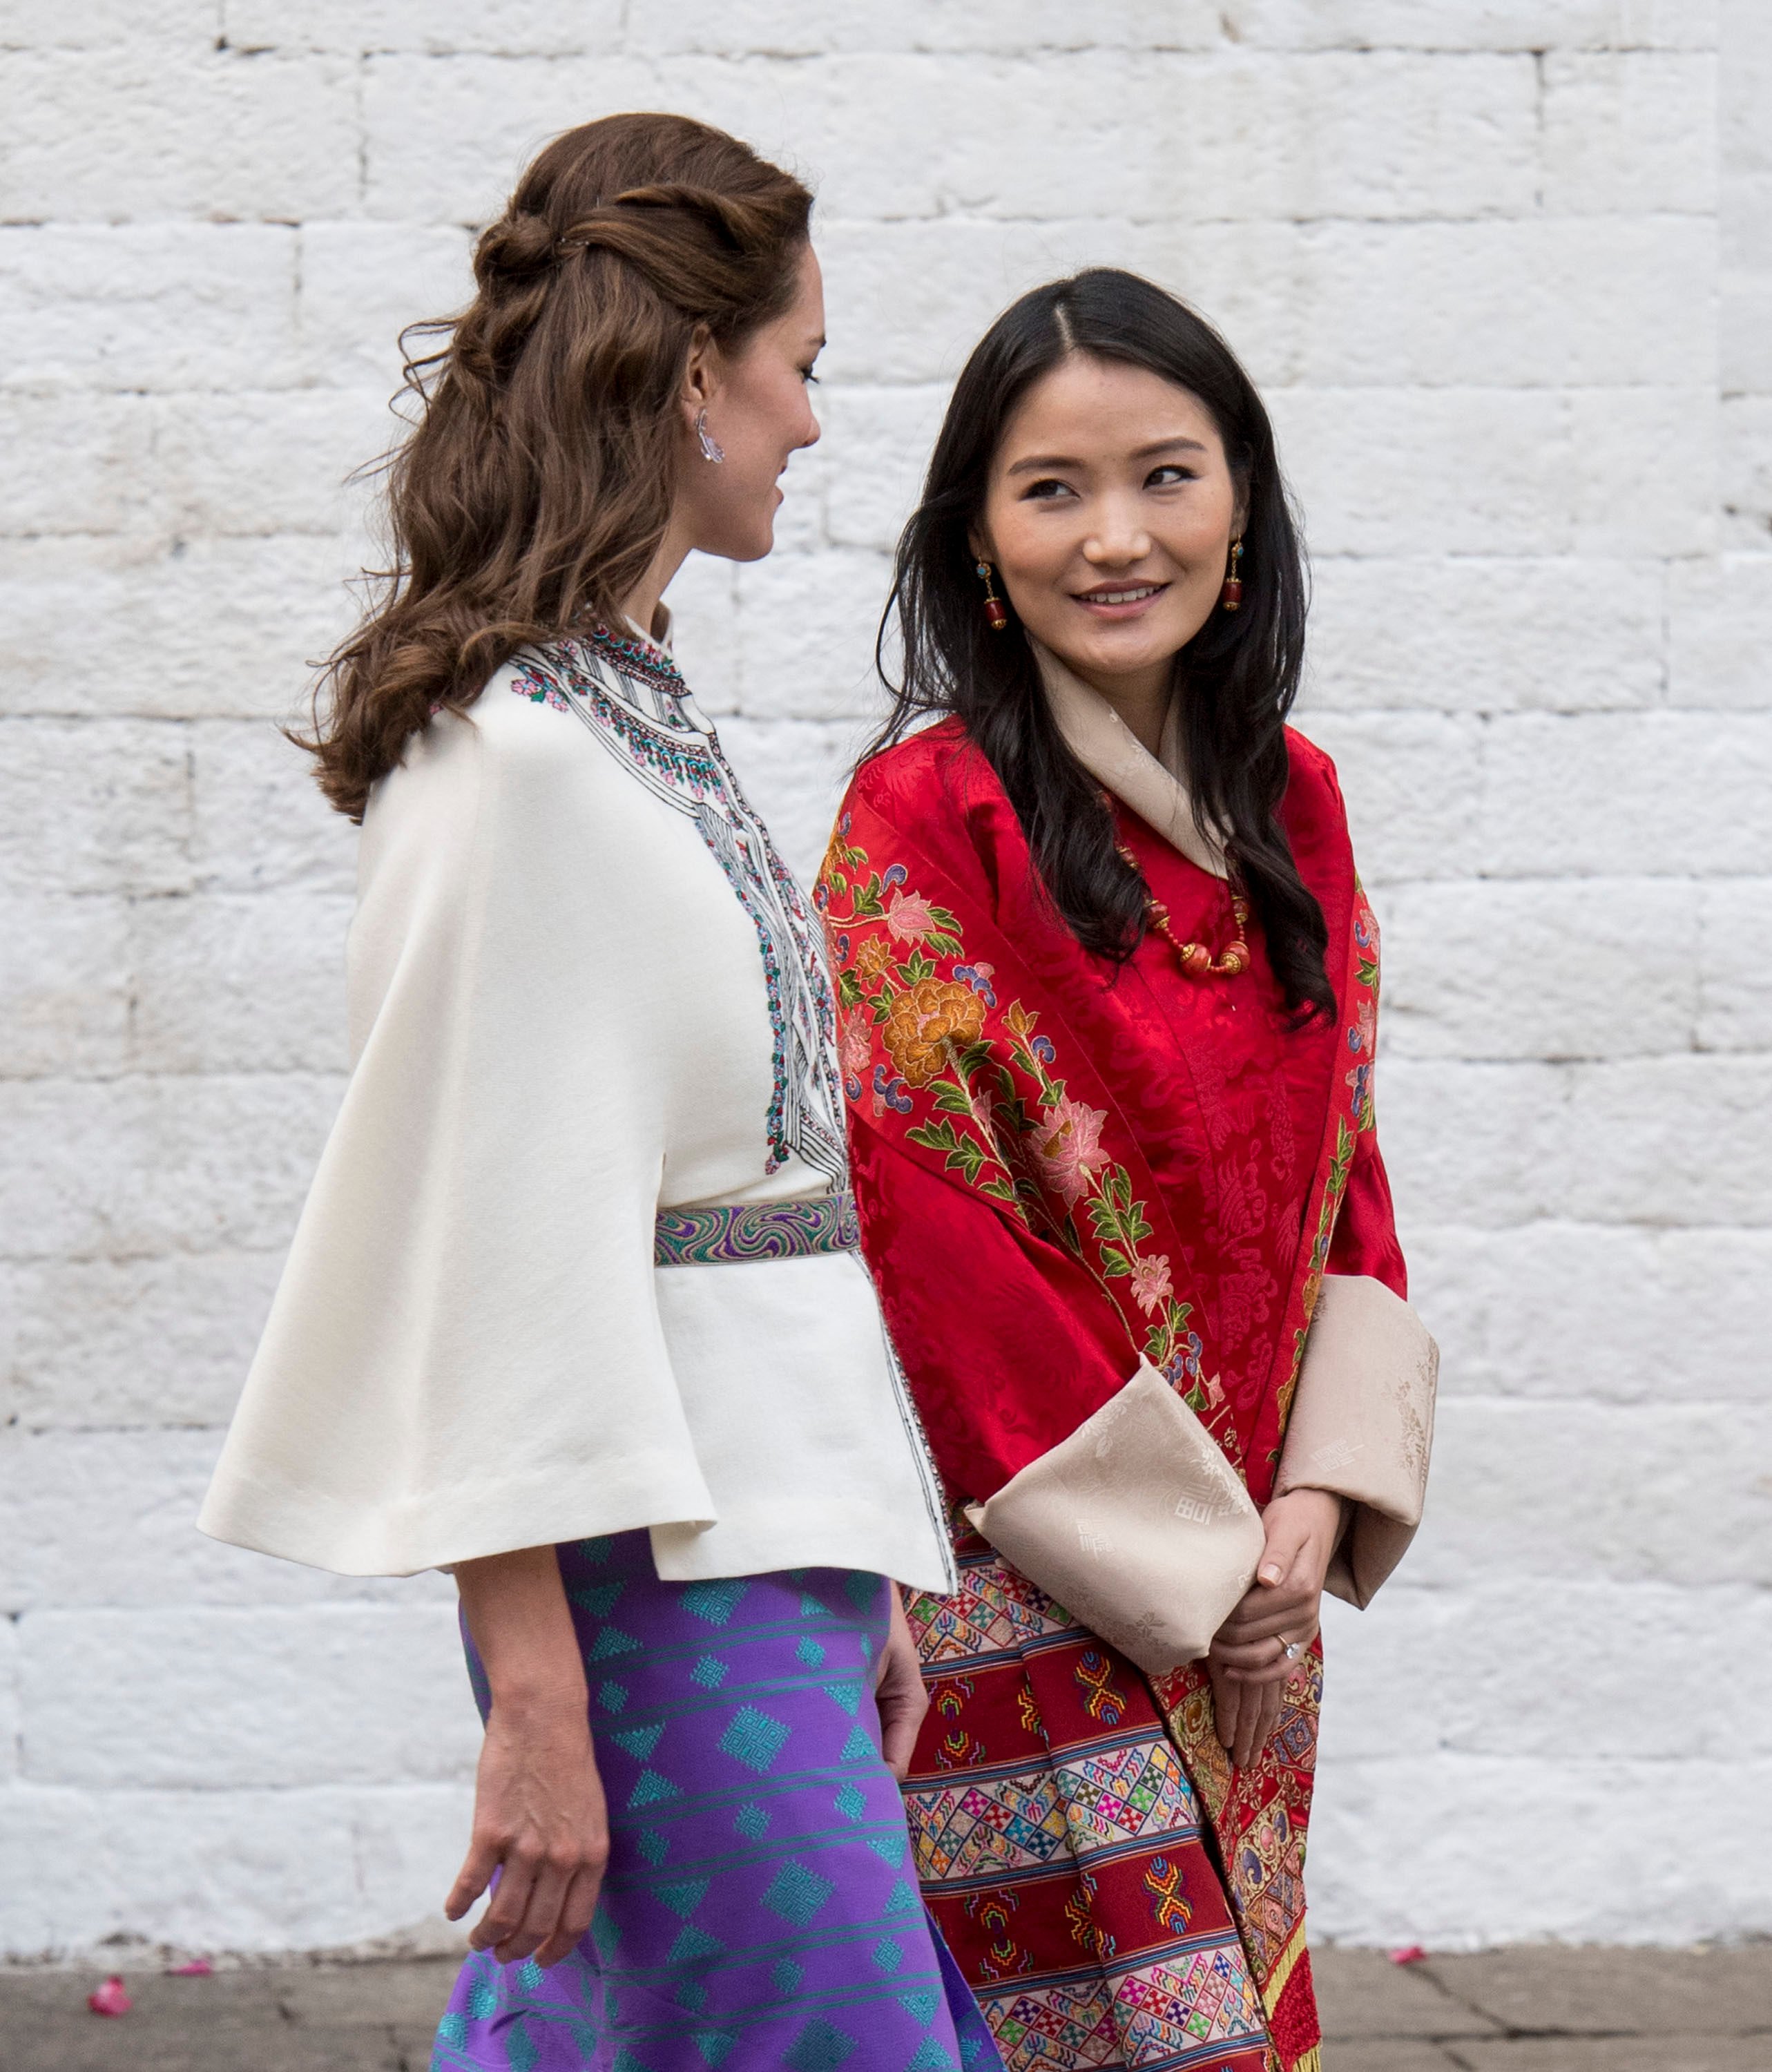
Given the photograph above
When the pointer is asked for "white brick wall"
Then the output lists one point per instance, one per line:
(1505, 269)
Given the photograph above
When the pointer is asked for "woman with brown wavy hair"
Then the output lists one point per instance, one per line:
(574, 1308)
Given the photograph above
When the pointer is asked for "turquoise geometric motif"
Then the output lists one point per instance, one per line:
(887, 1955)
(920, 2005)
(611, 1696)
(852, 1803)
(715, 1602)
(692, 1994)
(483, 2001)
(859, 1747)
(713, 2046)
(903, 1900)
(612, 1640)
(651, 1845)
(530, 1976)
(453, 2029)
(811, 1607)
(890, 1848)
(651, 1789)
(597, 1598)
(710, 1672)
(752, 1822)
(971, 2044)
(864, 1589)
(785, 1976)
(626, 2061)
(931, 2055)
(810, 1653)
(595, 1550)
(639, 1742)
(818, 2048)
(848, 1696)
(692, 1945)
(754, 1739)
(796, 1893)
(682, 1899)
(520, 2048)
(605, 1934)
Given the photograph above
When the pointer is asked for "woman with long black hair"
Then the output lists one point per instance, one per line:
(1107, 988)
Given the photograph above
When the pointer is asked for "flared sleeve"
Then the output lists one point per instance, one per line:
(465, 1354)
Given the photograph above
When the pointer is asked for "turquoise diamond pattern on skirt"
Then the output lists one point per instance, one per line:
(753, 1738)
(852, 1803)
(862, 1590)
(820, 2047)
(931, 2057)
(760, 1913)
(682, 1899)
(796, 1893)
(715, 1602)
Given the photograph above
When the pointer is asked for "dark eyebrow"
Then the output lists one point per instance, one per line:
(1051, 461)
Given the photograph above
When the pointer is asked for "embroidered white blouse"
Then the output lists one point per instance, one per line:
(582, 988)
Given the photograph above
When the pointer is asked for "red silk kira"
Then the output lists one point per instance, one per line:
(1063, 1166)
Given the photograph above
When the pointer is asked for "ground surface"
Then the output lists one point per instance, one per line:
(1521, 2010)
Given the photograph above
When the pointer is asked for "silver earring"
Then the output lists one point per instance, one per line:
(711, 447)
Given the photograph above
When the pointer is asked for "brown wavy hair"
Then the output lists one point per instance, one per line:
(536, 484)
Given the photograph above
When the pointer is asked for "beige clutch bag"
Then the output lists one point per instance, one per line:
(1362, 1426)
(1136, 1524)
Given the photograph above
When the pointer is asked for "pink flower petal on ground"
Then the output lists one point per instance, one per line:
(1413, 1953)
(199, 1967)
(110, 1998)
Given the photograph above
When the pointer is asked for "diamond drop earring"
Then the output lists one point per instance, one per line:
(711, 447)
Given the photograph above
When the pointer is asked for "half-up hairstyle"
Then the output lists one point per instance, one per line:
(536, 485)
(1236, 679)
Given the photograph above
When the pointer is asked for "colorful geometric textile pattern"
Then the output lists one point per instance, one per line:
(1060, 1844)
(760, 1909)
(633, 701)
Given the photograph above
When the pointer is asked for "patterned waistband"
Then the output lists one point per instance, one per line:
(756, 1230)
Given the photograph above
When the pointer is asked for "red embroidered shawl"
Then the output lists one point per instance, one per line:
(961, 995)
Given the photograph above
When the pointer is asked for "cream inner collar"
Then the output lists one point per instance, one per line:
(1154, 788)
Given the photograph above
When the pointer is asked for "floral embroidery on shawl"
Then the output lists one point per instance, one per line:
(632, 698)
(994, 1109)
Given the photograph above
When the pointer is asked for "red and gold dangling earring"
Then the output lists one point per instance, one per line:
(996, 613)
(1230, 597)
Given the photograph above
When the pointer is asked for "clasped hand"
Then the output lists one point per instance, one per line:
(1249, 1663)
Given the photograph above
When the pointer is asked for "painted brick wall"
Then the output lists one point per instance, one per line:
(1504, 268)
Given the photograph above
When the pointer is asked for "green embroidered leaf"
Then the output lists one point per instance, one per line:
(967, 1158)
(999, 1190)
(916, 968)
(1367, 970)
(1114, 1261)
(934, 1135)
(951, 1099)
(849, 989)
(942, 944)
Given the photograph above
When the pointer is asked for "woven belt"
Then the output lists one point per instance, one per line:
(756, 1230)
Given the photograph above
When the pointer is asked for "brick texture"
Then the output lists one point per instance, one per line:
(1503, 268)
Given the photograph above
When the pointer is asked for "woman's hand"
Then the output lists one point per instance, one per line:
(899, 1689)
(1249, 1663)
(539, 1822)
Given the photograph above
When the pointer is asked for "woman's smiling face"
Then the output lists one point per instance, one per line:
(1109, 514)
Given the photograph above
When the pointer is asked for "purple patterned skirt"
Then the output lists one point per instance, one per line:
(761, 1908)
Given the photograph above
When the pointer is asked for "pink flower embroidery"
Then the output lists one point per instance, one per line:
(1150, 1284)
(1068, 1147)
(855, 1047)
(909, 917)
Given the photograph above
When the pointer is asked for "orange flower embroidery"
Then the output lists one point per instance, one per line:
(933, 1013)
(873, 958)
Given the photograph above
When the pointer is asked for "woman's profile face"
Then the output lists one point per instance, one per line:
(760, 413)
(1109, 514)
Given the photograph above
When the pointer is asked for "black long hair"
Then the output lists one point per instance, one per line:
(1239, 674)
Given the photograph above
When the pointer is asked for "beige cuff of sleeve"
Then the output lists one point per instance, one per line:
(1136, 1524)
(1362, 1425)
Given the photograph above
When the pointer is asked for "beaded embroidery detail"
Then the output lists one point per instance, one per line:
(633, 699)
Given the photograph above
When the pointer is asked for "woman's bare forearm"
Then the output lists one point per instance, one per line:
(517, 1610)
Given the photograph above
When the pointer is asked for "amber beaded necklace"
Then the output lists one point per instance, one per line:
(1195, 958)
